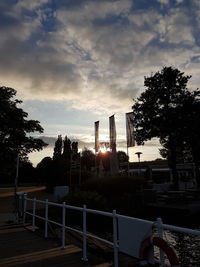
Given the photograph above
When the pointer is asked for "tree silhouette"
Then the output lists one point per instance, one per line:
(163, 111)
(44, 172)
(87, 159)
(15, 129)
(58, 148)
(122, 157)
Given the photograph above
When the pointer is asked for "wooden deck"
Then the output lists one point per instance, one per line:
(21, 247)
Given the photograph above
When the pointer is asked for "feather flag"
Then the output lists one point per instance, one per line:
(130, 129)
(112, 132)
(96, 133)
(114, 168)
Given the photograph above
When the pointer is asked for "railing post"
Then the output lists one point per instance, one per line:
(160, 233)
(115, 239)
(63, 224)
(84, 258)
(34, 208)
(24, 208)
(46, 218)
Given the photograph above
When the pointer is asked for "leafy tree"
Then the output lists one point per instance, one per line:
(27, 172)
(67, 150)
(15, 130)
(190, 114)
(163, 111)
(58, 148)
(122, 157)
(87, 159)
(44, 171)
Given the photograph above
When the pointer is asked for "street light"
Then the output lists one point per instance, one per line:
(138, 154)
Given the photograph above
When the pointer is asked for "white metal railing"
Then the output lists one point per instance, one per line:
(115, 242)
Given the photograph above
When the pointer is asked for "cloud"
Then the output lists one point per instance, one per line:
(166, 2)
(93, 53)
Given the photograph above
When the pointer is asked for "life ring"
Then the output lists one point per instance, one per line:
(160, 243)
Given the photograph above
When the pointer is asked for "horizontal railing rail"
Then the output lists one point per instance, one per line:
(159, 225)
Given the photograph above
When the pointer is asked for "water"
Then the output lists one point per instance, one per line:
(187, 248)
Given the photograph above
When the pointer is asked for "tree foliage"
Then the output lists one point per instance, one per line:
(155, 111)
(169, 111)
(87, 159)
(15, 130)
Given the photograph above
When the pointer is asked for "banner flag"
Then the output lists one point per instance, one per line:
(112, 132)
(114, 168)
(130, 129)
(96, 131)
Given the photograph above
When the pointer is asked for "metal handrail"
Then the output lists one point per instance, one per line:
(115, 243)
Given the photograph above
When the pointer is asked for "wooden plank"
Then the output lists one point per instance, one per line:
(37, 256)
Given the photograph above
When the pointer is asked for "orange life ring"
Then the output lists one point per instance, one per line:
(160, 243)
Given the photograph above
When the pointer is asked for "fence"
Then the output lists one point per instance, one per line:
(158, 224)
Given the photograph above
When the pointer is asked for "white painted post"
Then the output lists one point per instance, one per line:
(34, 208)
(115, 241)
(84, 258)
(46, 218)
(24, 208)
(63, 225)
(160, 233)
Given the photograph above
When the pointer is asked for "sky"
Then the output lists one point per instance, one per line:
(74, 62)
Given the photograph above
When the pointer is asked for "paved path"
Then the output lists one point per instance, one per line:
(7, 201)
(7, 192)
(21, 247)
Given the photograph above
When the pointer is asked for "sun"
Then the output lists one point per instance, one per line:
(103, 150)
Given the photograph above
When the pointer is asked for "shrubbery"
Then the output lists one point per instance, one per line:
(92, 199)
(121, 193)
(114, 186)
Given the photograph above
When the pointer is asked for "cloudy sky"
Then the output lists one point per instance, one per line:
(74, 62)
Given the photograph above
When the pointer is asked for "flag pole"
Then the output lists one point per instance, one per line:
(96, 134)
(128, 160)
(127, 146)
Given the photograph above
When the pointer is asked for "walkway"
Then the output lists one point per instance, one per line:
(21, 247)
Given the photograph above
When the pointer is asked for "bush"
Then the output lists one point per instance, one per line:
(121, 193)
(114, 186)
(93, 200)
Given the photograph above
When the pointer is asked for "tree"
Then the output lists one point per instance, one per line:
(44, 170)
(58, 148)
(27, 172)
(122, 157)
(160, 109)
(15, 130)
(191, 130)
(87, 159)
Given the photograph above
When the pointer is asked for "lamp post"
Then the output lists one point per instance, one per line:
(138, 154)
